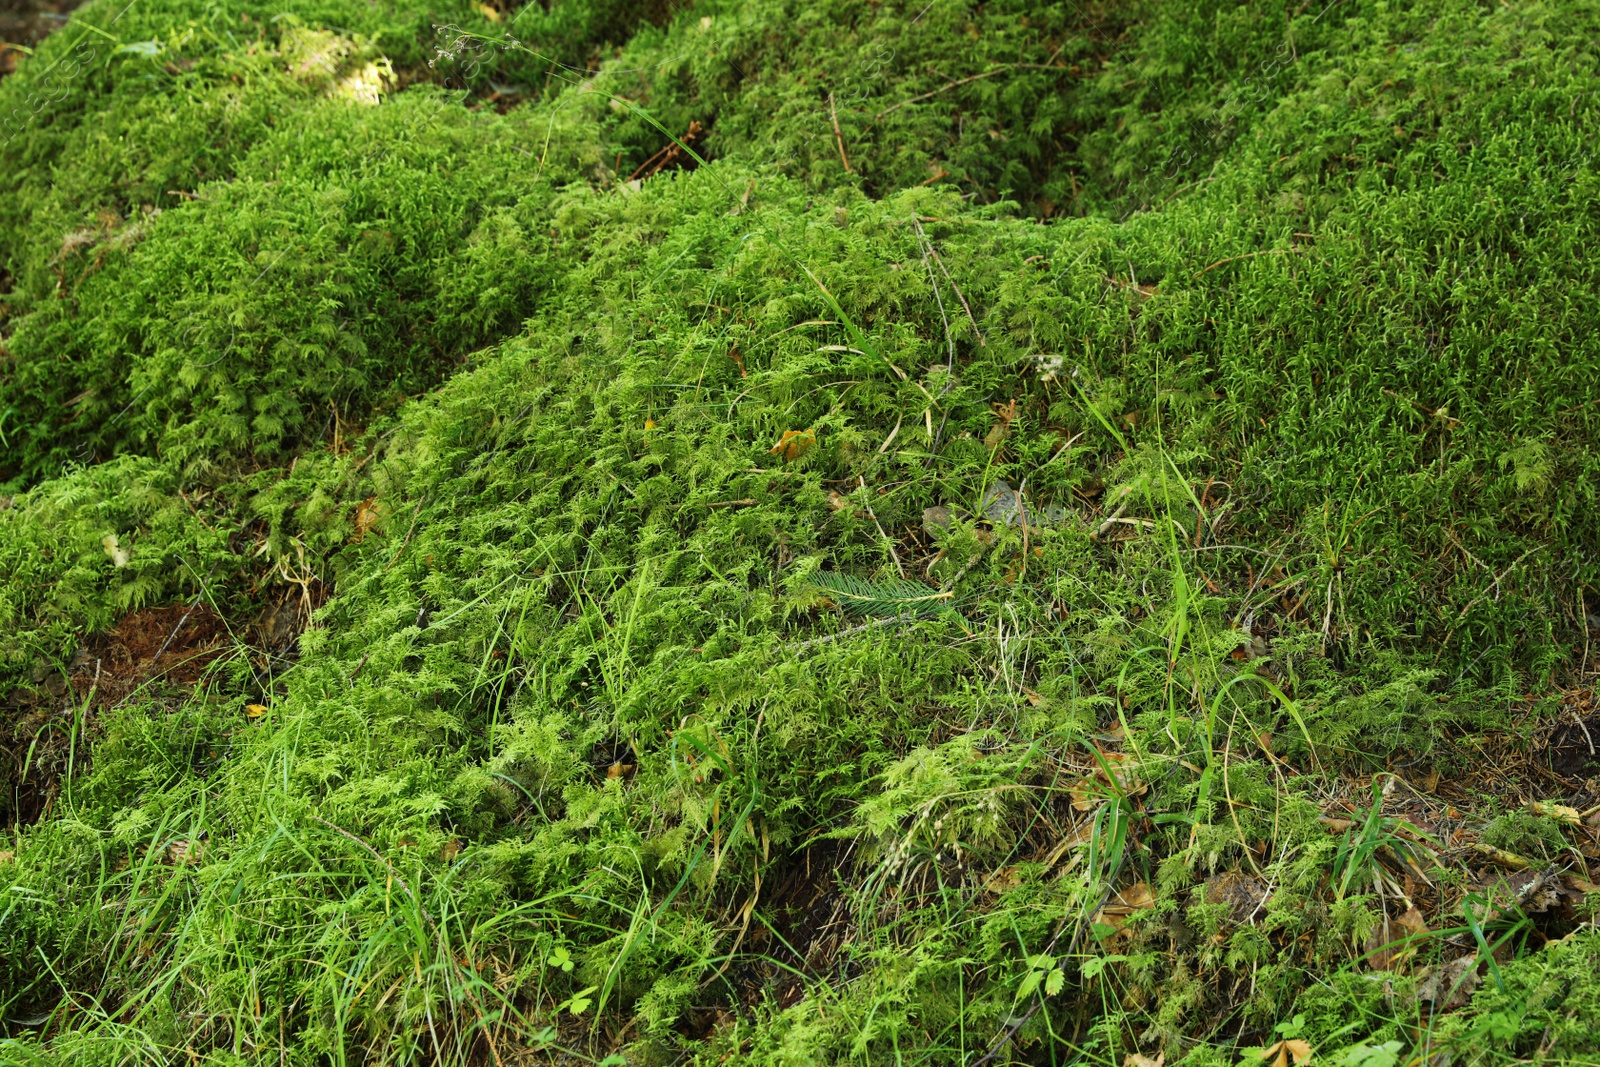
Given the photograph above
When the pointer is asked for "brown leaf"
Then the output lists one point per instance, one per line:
(1003, 879)
(449, 850)
(1136, 896)
(1091, 792)
(1577, 884)
(1280, 1054)
(794, 444)
(1125, 904)
(1450, 985)
(1392, 943)
(366, 516)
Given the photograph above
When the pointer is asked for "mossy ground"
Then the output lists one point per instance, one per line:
(800, 533)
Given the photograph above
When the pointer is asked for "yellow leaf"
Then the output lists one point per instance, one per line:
(1558, 812)
(1133, 1059)
(255, 711)
(489, 13)
(794, 444)
(1280, 1054)
(649, 424)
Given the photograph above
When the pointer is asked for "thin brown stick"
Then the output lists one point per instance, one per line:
(411, 530)
(1249, 255)
(874, 516)
(833, 112)
(1048, 64)
(192, 605)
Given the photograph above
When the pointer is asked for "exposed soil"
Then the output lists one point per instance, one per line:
(24, 23)
(155, 652)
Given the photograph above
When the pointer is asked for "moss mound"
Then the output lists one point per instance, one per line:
(799, 533)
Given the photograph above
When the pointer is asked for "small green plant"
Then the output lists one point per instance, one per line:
(1356, 863)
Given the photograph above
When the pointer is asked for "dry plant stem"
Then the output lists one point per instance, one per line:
(873, 515)
(838, 137)
(341, 831)
(949, 341)
(1583, 667)
(1022, 514)
(929, 250)
(852, 631)
(1481, 598)
(413, 529)
(1249, 255)
(1046, 65)
(1579, 720)
(170, 637)
(1101, 530)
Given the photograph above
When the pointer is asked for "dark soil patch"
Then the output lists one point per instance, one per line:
(49, 728)
(1572, 748)
(24, 23)
(809, 919)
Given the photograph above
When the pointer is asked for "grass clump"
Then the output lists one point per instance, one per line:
(737, 609)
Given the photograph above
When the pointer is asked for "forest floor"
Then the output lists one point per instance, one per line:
(846, 532)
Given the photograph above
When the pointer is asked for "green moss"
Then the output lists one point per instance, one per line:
(576, 743)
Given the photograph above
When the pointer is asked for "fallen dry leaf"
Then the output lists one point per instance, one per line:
(1133, 1059)
(1450, 985)
(1003, 879)
(1392, 943)
(1091, 792)
(1123, 905)
(1558, 812)
(366, 516)
(181, 851)
(255, 711)
(1280, 1054)
(794, 444)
